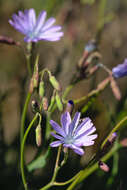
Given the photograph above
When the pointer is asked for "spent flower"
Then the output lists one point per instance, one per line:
(120, 70)
(73, 133)
(36, 29)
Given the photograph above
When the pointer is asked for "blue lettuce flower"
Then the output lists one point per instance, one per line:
(36, 29)
(120, 70)
(73, 134)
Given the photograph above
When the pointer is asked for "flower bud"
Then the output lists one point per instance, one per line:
(54, 83)
(45, 103)
(103, 166)
(70, 106)
(58, 102)
(38, 135)
(41, 89)
(52, 102)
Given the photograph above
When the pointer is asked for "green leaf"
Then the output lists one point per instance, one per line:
(39, 162)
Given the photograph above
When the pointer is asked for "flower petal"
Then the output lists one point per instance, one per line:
(84, 126)
(31, 18)
(57, 128)
(40, 21)
(55, 143)
(78, 150)
(57, 136)
(86, 133)
(49, 23)
(65, 121)
(74, 123)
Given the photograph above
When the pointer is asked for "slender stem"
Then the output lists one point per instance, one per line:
(88, 171)
(56, 169)
(115, 129)
(22, 151)
(28, 65)
(23, 117)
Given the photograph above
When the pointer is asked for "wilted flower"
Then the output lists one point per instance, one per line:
(120, 70)
(73, 134)
(36, 29)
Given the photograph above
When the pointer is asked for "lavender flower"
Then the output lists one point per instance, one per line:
(36, 29)
(73, 134)
(120, 70)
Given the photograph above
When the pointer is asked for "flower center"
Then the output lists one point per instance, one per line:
(69, 139)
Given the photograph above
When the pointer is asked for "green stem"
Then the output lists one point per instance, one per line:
(56, 169)
(114, 130)
(23, 117)
(22, 151)
(83, 174)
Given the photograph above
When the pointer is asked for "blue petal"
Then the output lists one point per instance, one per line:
(57, 128)
(65, 121)
(40, 21)
(48, 23)
(57, 136)
(55, 143)
(74, 123)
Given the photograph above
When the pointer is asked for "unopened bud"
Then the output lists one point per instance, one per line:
(38, 135)
(45, 103)
(52, 102)
(58, 102)
(113, 137)
(35, 74)
(9, 41)
(103, 166)
(35, 106)
(54, 83)
(109, 143)
(70, 106)
(123, 142)
(115, 89)
(41, 89)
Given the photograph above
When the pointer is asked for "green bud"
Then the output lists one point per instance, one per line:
(52, 102)
(38, 135)
(54, 83)
(58, 102)
(41, 89)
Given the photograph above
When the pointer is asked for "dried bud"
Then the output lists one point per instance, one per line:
(35, 106)
(109, 143)
(41, 89)
(9, 41)
(54, 83)
(38, 135)
(58, 102)
(115, 89)
(103, 166)
(112, 138)
(104, 83)
(123, 142)
(70, 106)
(45, 103)
(35, 74)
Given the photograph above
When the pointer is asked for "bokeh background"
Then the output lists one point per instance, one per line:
(80, 20)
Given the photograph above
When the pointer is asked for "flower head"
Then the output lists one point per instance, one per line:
(73, 134)
(120, 70)
(36, 29)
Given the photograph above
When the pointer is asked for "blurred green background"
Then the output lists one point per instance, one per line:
(80, 20)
